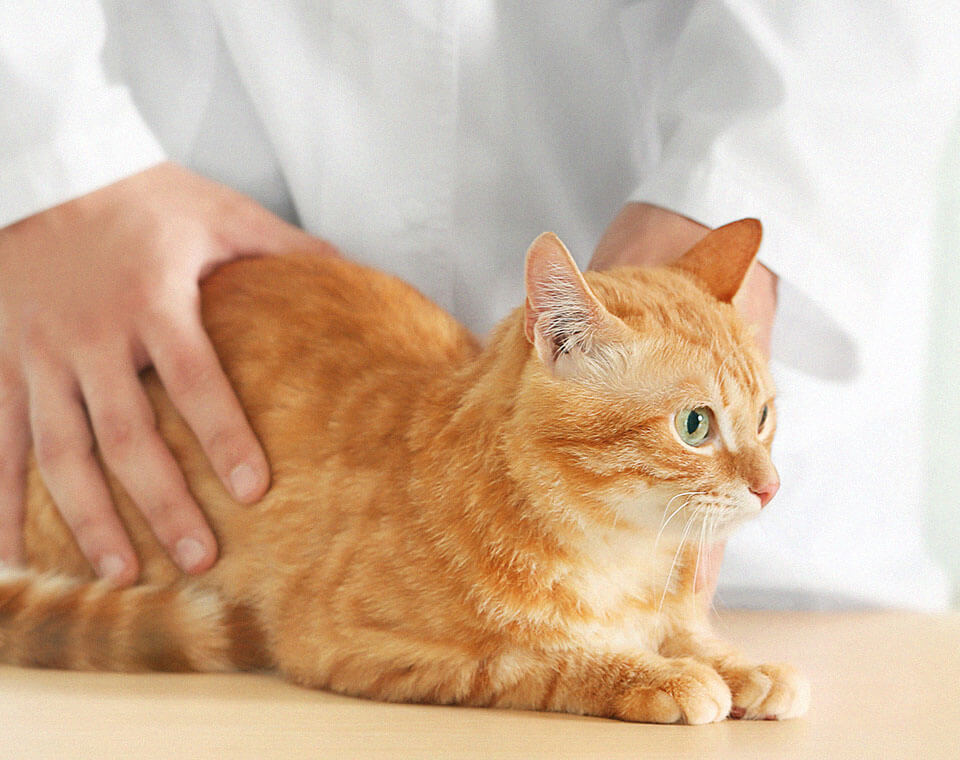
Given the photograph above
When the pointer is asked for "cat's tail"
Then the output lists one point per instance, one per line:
(57, 622)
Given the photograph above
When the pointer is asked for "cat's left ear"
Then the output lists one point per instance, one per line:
(721, 260)
(562, 317)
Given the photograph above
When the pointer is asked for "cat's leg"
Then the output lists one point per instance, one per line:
(772, 691)
(640, 686)
(644, 687)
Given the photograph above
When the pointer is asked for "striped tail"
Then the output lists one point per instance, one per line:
(57, 622)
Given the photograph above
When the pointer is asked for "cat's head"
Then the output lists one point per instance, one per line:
(644, 392)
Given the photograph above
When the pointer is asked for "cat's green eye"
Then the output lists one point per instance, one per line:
(763, 418)
(693, 425)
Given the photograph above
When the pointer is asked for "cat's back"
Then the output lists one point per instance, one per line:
(326, 358)
(323, 313)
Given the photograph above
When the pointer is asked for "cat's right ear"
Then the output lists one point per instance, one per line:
(721, 260)
(562, 317)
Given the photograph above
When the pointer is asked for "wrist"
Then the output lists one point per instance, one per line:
(646, 235)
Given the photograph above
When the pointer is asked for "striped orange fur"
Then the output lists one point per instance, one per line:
(515, 524)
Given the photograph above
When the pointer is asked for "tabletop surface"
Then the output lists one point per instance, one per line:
(885, 685)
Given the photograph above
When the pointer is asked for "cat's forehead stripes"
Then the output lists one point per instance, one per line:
(723, 374)
(686, 349)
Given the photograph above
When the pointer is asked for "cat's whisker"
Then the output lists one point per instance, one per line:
(665, 522)
(666, 507)
(712, 560)
(703, 535)
(663, 526)
(676, 556)
(677, 496)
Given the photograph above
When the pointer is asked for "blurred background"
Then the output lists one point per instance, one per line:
(942, 415)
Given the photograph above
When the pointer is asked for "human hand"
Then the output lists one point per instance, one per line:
(91, 292)
(646, 235)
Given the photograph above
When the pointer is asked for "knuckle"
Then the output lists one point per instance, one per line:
(160, 513)
(117, 432)
(85, 524)
(44, 345)
(36, 339)
(89, 333)
(52, 447)
(171, 515)
(231, 444)
(151, 303)
(188, 374)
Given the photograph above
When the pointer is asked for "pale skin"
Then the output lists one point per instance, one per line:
(98, 288)
(91, 292)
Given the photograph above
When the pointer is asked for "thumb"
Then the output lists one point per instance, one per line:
(255, 231)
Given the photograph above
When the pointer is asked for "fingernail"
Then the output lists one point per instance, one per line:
(190, 553)
(111, 566)
(244, 482)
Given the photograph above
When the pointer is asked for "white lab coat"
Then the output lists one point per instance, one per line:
(436, 138)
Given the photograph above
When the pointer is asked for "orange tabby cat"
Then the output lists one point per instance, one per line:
(510, 525)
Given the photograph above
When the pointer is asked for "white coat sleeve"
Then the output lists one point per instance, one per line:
(65, 128)
(818, 120)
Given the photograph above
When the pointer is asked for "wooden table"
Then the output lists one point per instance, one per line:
(885, 685)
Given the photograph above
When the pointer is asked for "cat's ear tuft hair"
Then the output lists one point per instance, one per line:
(721, 260)
(562, 316)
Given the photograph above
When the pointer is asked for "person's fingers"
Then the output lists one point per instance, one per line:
(125, 428)
(14, 444)
(63, 446)
(196, 384)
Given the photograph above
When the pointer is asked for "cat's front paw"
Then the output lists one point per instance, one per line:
(685, 691)
(768, 692)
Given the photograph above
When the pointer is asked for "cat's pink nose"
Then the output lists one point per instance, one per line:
(766, 492)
